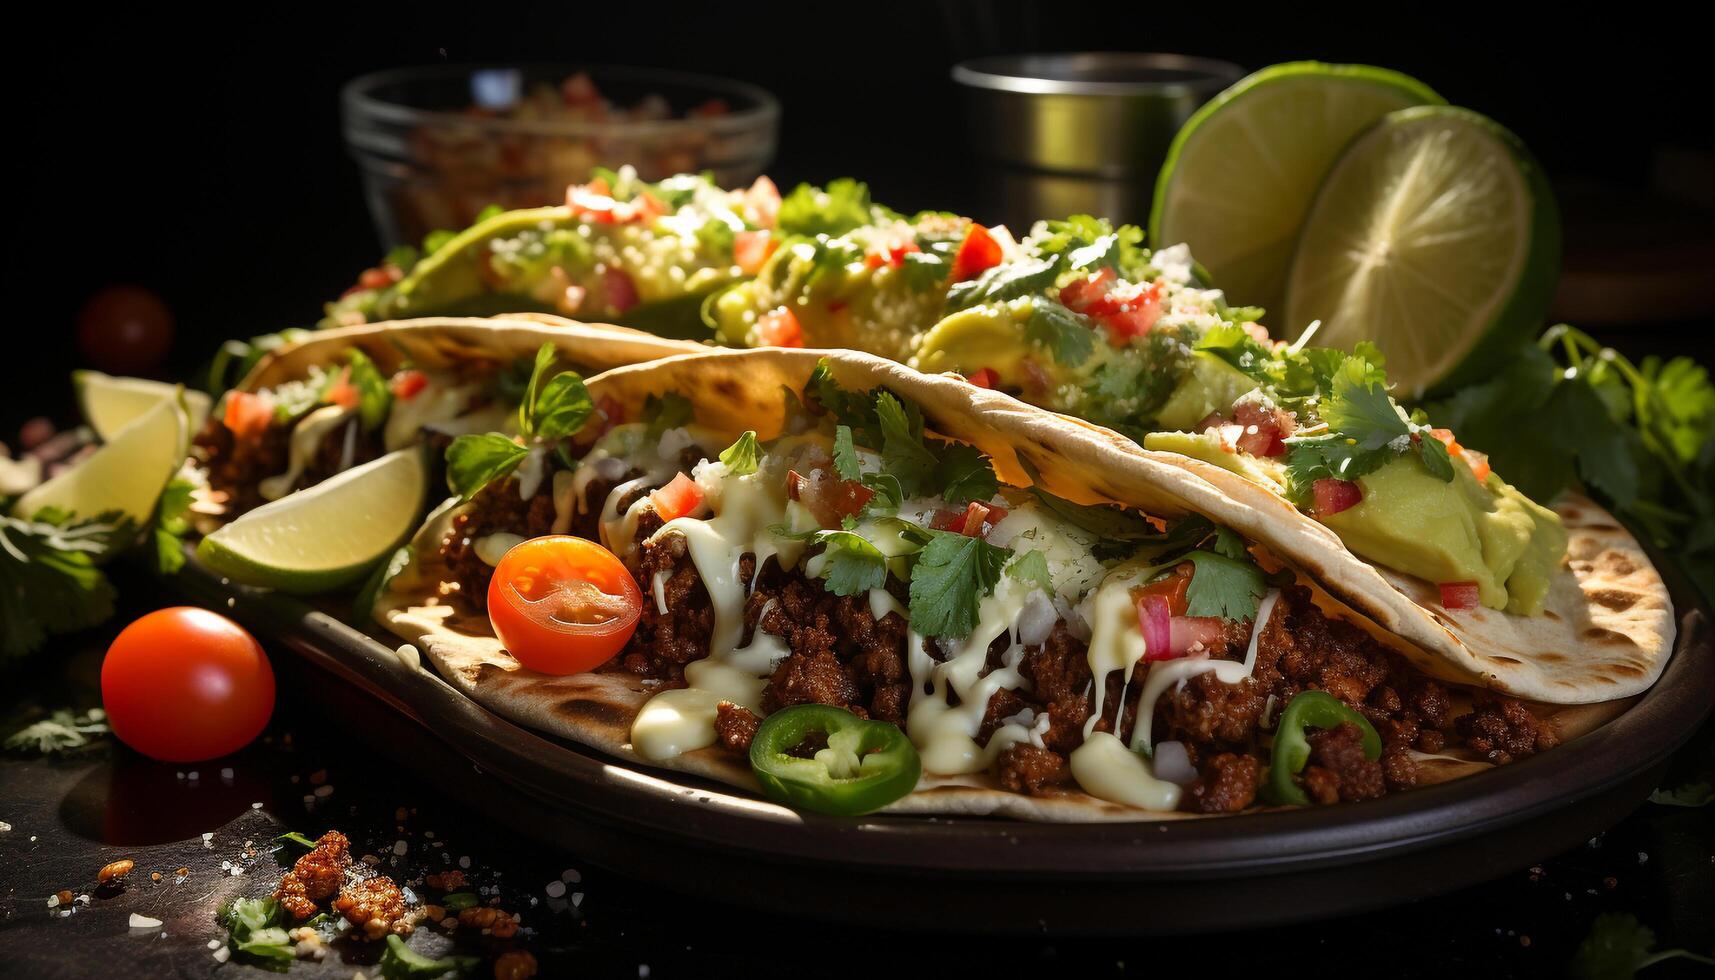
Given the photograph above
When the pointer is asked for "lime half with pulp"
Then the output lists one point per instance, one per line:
(1435, 236)
(325, 536)
(1240, 174)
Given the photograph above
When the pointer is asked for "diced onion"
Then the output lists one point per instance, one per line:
(1173, 763)
(1036, 620)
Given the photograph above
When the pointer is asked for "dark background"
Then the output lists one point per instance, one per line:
(202, 157)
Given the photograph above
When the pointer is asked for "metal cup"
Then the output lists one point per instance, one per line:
(1061, 134)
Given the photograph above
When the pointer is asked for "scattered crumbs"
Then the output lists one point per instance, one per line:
(400, 847)
(208, 841)
(53, 901)
(1642, 857)
(256, 806)
(324, 791)
(399, 815)
(295, 777)
(232, 602)
(6, 828)
(154, 876)
(222, 954)
(577, 899)
(226, 773)
(1524, 941)
(144, 922)
(428, 835)
(464, 862)
(571, 876)
(1569, 896)
(318, 777)
(642, 970)
(556, 889)
(214, 944)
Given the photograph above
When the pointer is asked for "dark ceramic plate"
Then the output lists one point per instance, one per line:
(982, 874)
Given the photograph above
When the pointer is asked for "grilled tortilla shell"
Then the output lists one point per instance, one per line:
(1607, 633)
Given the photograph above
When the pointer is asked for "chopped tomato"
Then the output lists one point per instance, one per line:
(1128, 311)
(779, 327)
(1445, 436)
(592, 202)
(974, 521)
(1459, 595)
(1264, 430)
(984, 378)
(1172, 588)
(1188, 632)
(1479, 463)
(764, 199)
(407, 384)
(678, 498)
(562, 604)
(342, 392)
(751, 249)
(1079, 294)
(618, 289)
(889, 255)
(1334, 496)
(978, 253)
(247, 414)
(379, 277)
(828, 498)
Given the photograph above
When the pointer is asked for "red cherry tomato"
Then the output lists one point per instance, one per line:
(185, 684)
(779, 327)
(562, 604)
(125, 330)
(978, 253)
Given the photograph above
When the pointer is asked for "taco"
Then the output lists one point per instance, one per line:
(854, 586)
(343, 397)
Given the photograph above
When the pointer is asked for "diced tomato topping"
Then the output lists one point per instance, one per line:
(618, 289)
(1128, 311)
(1264, 430)
(974, 521)
(984, 378)
(779, 327)
(379, 277)
(1334, 496)
(1479, 463)
(1447, 439)
(407, 384)
(764, 199)
(594, 202)
(889, 255)
(1172, 588)
(678, 498)
(1036, 380)
(1459, 595)
(828, 498)
(751, 249)
(1258, 333)
(342, 392)
(1079, 294)
(248, 415)
(1186, 632)
(978, 253)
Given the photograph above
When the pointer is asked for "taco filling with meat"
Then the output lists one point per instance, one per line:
(856, 599)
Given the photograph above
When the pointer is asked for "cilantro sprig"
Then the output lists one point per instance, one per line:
(951, 576)
(50, 582)
(1619, 946)
(552, 408)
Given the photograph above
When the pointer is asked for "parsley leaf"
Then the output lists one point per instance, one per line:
(964, 474)
(475, 461)
(1223, 586)
(49, 582)
(1068, 336)
(852, 565)
(1032, 567)
(845, 454)
(952, 575)
(1003, 282)
(741, 457)
(810, 211)
(61, 731)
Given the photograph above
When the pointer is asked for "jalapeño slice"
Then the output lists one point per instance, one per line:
(865, 766)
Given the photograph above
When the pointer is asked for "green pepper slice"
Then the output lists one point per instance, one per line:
(866, 765)
(1309, 709)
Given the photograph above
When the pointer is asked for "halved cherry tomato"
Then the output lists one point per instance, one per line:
(751, 249)
(978, 253)
(1334, 496)
(408, 383)
(248, 414)
(779, 327)
(678, 498)
(1460, 595)
(125, 330)
(562, 604)
(984, 378)
(185, 684)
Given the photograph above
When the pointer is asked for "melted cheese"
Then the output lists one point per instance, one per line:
(1115, 641)
(307, 437)
(1173, 672)
(946, 735)
(434, 404)
(1106, 769)
(675, 722)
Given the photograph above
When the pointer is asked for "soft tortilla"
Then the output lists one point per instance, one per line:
(741, 390)
(440, 343)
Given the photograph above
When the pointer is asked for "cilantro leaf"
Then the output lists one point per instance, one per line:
(1603, 451)
(1069, 337)
(903, 453)
(1326, 457)
(256, 931)
(716, 237)
(401, 962)
(845, 454)
(1031, 567)
(1619, 946)
(952, 575)
(1433, 452)
(669, 411)
(854, 409)
(1688, 795)
(1091, 243)
(61, 731)
(810, 211)
(170, 525)
(1003, 282)
(925, 270)
(475, 461)
(852, 565)
(1358, 407)
(1100, 520)
(741, 457)
(888, 494)
(964, 474)
(1223, 586)
(374, 399)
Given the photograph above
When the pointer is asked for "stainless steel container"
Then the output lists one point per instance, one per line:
(1061, 134)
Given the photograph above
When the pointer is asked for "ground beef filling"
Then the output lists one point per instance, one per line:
(236, 467)
(842, 655)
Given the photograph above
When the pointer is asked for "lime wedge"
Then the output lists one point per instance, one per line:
(1435, 236)
(110, 404)
(328, 535)
(127, 475)
(1240, 174)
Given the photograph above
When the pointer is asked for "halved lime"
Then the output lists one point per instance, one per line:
(1240, 174)
(109, 403)
(1435, 236)
(126, 476)
(328, 535)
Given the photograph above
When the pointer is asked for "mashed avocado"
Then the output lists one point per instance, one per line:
(988, 335)
(1463, 531)
(1212, 385)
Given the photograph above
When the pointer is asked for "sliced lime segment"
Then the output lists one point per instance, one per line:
(110, 403)
(1240, 175)
(1435, 236)
(328, 535)
(126, 476)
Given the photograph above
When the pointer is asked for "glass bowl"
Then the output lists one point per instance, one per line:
(437, 145)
